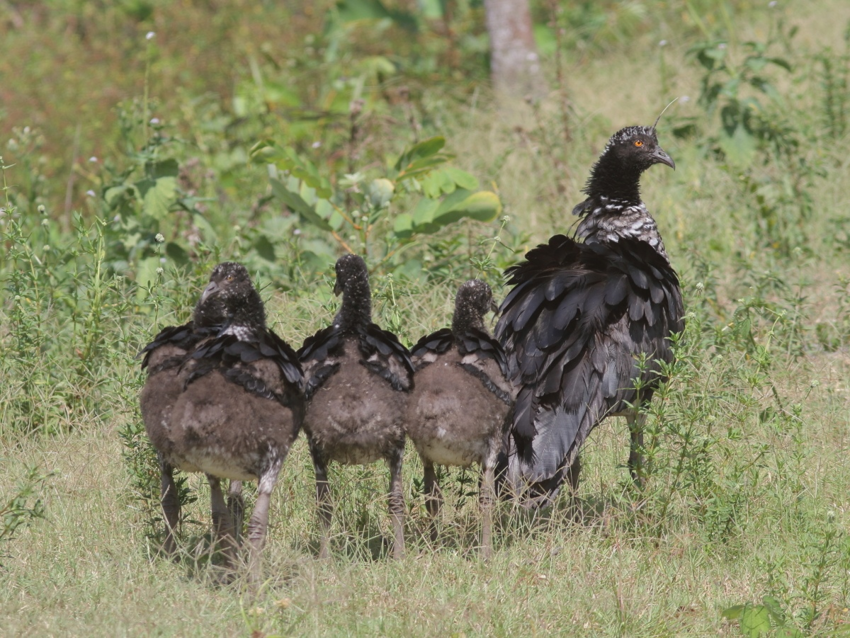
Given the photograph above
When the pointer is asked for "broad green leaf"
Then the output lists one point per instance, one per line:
(112, 194)
(755, 621)
(422, 166)
(403, 226)
(462, 178)
(165, 168)
(739, 148)
(157, 196)
(208, 234)
(483, 206)
(756, 63)
(286, 159)
(265, 248)
(425, 148)
(176, 253)
(437, 183)
(733, 613)
(780, 62)
(352, 10)
(424, 212)
(296, 204)
(775, 609)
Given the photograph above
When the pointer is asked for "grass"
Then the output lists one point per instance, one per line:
(747, 495)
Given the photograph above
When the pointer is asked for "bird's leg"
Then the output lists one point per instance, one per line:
(636, 421)
(222, 523)
(433, 498)
(236, 507)
(259, 523)
(396, 500)
(323, 500)
(487, 498)
(573, 475)
(170, 504)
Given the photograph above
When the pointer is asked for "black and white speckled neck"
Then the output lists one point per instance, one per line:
(609, 221)
(614, 209)
(230, 302)
(352, 280)
(473, 300)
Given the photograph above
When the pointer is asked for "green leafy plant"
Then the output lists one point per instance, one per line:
(25, 505)
(743, 120)
(762, 620)
(379, 217)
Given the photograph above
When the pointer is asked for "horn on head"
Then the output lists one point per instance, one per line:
(662, 113)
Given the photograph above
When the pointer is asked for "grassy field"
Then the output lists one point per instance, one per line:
(746, 500)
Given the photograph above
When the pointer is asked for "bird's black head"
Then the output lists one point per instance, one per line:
(474, 299)
(629, 152)
(230, 299)
(352, 282)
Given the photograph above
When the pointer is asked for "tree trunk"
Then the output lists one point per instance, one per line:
(514, 63)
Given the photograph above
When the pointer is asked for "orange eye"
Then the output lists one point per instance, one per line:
(638, 143)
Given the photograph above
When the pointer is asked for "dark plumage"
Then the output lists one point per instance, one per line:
(462, 397)
(357, 380)
(223, 397)
(579, 315)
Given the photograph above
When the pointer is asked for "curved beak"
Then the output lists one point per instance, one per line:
(337, 288)
(660, 157)
(211, 289)
(494, 307)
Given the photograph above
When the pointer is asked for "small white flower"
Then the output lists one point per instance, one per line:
(297, 231)
(150, 35)
(159, 238)
(162, 260)
(771, 4)
(159, 271)
(505, 219)
(93, 159)
(117, 218)
(41, 209)
(721, 46)
(154, 120)
(47, 249)
(90, 193)
(316, 144)
(662, 43)
(685, 99)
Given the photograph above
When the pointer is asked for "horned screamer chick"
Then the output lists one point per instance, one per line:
(358, 379)
(241, 403)
(462, 397)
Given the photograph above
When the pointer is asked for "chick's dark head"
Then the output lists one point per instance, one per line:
(230, 298)
(350, 269)
(474, 299)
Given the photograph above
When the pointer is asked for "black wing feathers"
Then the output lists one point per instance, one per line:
(225, 352)
(184, 337)
(561, 328)
(381, 352)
